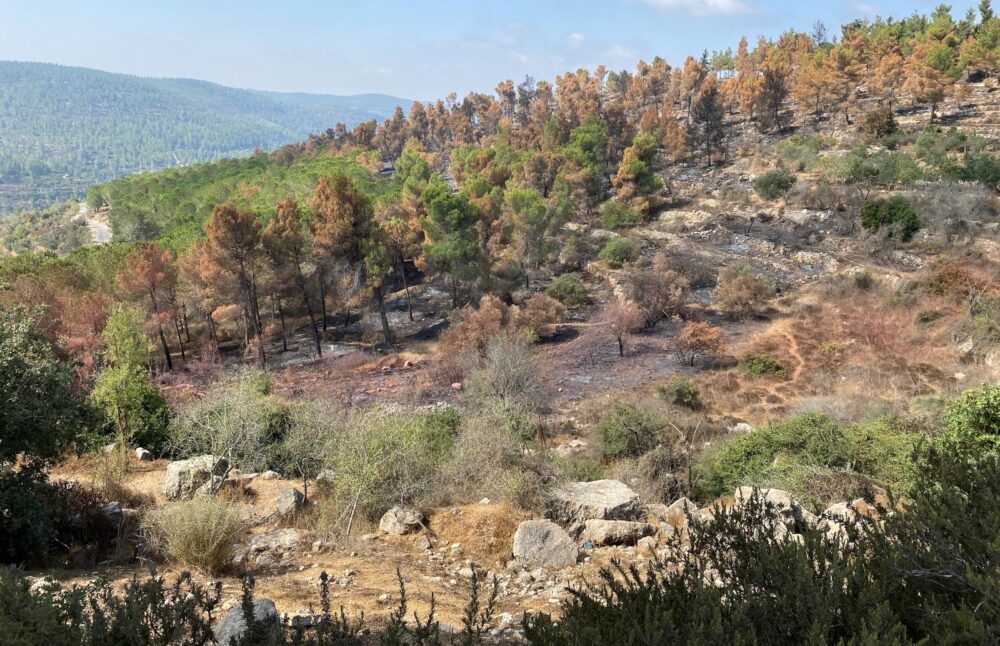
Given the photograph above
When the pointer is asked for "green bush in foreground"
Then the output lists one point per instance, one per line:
(569, 290)
(762, 365)
(628, 431)
(683, 391)
(926, 576)
(773, 184)
(617, 251)
(198, 533)
(894, 212)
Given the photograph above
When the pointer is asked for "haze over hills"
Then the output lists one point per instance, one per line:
(63, 129)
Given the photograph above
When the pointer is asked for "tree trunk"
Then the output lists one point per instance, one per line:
(166, 349)
(276, 301)
(380, 299)
(184, 318)
(406, 287)
(212, 334)
(621, 346)
(320, 275)
(180, 342)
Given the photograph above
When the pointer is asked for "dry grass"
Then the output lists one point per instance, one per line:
(199, 532)
(485, 532)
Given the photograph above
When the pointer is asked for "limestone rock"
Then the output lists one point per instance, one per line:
(269, 475)
(542, 543)
(232, 627)
(615, 532)
(183, 477)
(142, 455)
(289, 502)
(578, 502)
(401, 520)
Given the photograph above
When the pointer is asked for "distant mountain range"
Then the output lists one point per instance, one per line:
(63, 129)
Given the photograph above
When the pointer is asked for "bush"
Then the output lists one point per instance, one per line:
(773, 184)
(628, 431)
(382, 459)
(699, 339)
(926, 575)
(741, 292)
(879, 123)
(683, 391)
(976, 413)
(199, 532)
(618, 215)
(617, 251)
(28, 528)
(808, 438)
(569, 290)
(134, 405)
(658, 475)
(762, 365)
(894, 212)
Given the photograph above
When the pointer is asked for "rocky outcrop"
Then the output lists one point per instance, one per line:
(401, 520)
(542, 543)
(793, 515)
(289, 503)
(184, 477)
(232, 627)
(142, 455)
(614, 532)
(578, 502)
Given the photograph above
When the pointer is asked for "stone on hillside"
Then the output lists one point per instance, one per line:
(647, 544)
(401, 520)
(542, 543)
(792, 514)
(270, 475)
(325, 477)
(615, 532)
(289, 502)
(142, 455)
(578, 502)
(184, 477)
(232, 628)
(682, 506)
(112, 511)
(841, 512)
(280, 540)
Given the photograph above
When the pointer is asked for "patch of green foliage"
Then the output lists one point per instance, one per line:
(762, 365)
(618, 215)
(569, 290)
(682, 391)
(773, 184)
(628, 431)
(617, 251)
(894, 213)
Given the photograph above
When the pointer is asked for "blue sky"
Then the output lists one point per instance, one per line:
(416, 49)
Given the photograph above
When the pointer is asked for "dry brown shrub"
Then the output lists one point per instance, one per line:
(621, 318)
(537, 317)
(485, 532)
(699, 339)
(741, 292)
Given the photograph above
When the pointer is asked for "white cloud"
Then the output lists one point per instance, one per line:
(867, 9)
(621, 52)
(575, 39)
(702, 7)
(520, 57)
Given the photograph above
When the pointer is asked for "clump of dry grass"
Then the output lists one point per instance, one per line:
(198, 533)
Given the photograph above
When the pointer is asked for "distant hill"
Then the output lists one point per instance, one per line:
(63, 129)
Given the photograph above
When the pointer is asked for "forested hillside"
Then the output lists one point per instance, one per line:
(63, 129)
(721, 338)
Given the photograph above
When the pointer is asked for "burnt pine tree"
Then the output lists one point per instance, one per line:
(707, 116)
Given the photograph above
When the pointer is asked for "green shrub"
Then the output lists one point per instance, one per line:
(577, 469)
(894, 212)
(134, 406)
(984, 169)
(618, 215)
(628, 431)
(683, 391)
(808, 438)
(976, 413)
(926, 575)
(28, 526)
(382, 459)
(773, 184)
(569, 290)
(617, 251)
(199, 533)
(762, 365)
(879, 123)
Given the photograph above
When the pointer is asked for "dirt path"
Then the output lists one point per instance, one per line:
(99, 230)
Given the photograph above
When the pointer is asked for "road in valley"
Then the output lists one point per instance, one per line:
(99, 231)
